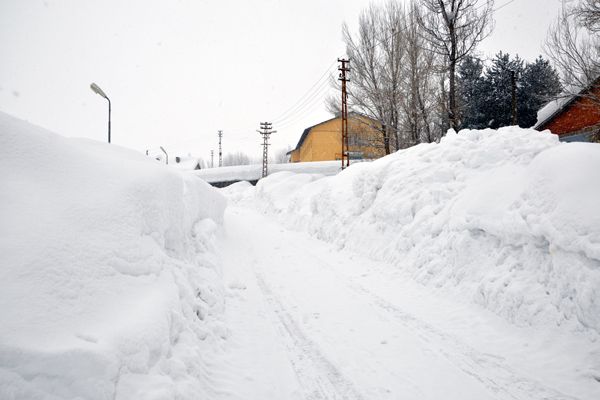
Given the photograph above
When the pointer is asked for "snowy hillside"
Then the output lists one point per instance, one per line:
(506, 219)
(109, 287)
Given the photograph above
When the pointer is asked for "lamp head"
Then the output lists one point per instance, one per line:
(97, 90)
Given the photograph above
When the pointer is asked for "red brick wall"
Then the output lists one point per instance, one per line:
(581, 114)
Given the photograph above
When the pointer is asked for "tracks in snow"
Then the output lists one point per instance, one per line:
(337, 355)
(320, 379)
(488, 369)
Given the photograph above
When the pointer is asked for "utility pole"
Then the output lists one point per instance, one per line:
(266, 130)
(513, 81)
(212, 158)
(345, 150)
(220, 149)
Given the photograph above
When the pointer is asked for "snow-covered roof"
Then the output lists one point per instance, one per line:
(548, 112)
(554, 107)
(186, 163)
(254, 172)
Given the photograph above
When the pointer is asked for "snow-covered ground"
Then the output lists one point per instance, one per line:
(486, 247)
(468, 269)
(506, 219)
(311, 321)
(109, 287)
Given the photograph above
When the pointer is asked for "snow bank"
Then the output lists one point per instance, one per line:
(108, 283)
(507, 219)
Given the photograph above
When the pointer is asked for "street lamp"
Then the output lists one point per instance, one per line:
(99, 91)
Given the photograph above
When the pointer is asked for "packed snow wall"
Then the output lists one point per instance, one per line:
(507, 219)
(109, 287)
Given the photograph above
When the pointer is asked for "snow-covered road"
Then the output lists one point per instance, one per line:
(309, 321)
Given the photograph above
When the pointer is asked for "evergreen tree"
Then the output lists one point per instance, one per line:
(540, 83)
(485, 94)
(471, 93)
(498, 86)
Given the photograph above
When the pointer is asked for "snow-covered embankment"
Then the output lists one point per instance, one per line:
(507, 219)
(109, 287)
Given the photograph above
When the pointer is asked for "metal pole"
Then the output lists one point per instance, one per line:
(109, 111)
(96, 89)
(265, 132)
(513, 82)
(220, 149)
(164, 151)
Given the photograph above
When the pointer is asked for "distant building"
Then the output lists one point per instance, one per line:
(574, 118)
(187, 163)
(323, 141)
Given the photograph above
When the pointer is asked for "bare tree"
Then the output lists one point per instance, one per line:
(237, 158)
(418, 82)
(454, 28)
(376, 55)
(281, 155)
(573, 45)
(587, 13)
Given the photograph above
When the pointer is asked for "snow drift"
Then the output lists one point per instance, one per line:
(507, 219)
(108, 283)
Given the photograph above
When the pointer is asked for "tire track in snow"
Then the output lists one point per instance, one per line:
(503, 379)
(320, 378)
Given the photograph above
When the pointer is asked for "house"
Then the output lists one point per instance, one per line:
(574, 118)
(323, 141)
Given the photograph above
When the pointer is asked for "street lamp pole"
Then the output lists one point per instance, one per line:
(100, 92)
(108, 119)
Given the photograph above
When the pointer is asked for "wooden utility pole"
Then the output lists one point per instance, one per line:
(266, 130)
(344, 68)
(212, 158)
(220, 149)
(513, 82)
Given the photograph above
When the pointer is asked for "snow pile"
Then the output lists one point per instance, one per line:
(109, 287)
(507, 219)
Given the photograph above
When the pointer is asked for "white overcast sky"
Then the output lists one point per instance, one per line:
(179, 70)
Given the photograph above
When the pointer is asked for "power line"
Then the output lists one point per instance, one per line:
(322, 87)
(503, 5)
(302, 115)
(307, 104)
(281, 116)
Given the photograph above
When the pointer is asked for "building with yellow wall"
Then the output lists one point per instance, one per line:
(323, 141)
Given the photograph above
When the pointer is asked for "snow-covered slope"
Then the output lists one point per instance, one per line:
(109, 287)
(507, 219)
